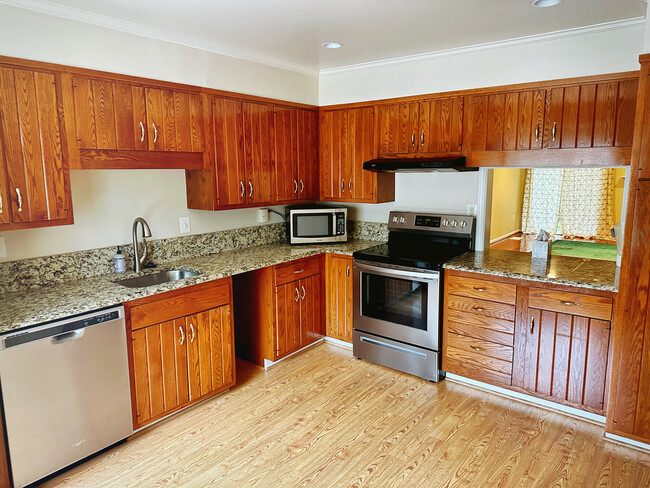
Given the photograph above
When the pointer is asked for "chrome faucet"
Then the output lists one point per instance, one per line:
(146, 232)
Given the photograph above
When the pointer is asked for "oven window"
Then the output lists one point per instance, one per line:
(394, 300)
(312, 225)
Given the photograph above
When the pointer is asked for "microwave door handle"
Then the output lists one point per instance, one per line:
(391, 273)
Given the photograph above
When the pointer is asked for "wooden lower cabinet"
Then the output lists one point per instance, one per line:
(185, 358)
(279, 309)
(338, 296)
(551, 342)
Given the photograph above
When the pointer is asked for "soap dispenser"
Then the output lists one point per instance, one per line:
(119, 262)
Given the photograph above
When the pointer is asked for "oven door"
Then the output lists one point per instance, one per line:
(397, 303)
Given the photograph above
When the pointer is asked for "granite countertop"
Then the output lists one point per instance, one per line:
(29, 307)
(585, 273)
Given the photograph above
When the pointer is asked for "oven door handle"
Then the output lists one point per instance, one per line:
(391, 272)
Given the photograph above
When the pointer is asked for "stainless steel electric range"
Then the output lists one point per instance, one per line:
(397, 290)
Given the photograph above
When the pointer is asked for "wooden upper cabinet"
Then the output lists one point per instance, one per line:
(118, 124)
(347, 140)
(433, 126)
(286, 153)
(34, 176)
(591, 115)
(308, 169)
(230, 157)
(507, 121)
(259, 152)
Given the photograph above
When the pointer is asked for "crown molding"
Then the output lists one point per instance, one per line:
(495, 45)
(49, 8)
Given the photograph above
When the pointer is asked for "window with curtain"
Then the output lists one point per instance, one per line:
(575, 202)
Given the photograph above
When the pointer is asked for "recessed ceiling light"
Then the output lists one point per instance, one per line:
(331, 45)
(545, 3)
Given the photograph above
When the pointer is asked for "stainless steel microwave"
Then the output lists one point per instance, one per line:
(317, 224)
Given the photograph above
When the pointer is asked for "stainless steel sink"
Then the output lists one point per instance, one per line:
(158, 278)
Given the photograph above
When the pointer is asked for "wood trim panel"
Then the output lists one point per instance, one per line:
(178, 303)
(553, 158)
(116, 159)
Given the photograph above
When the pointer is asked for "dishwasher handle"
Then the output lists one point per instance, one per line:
(68, 336)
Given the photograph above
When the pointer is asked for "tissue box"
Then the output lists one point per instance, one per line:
(541, 250)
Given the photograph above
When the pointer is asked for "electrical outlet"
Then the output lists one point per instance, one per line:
(3, 248)
(472, 209)
(184, 223)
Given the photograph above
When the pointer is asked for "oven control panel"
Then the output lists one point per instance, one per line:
(434, 223)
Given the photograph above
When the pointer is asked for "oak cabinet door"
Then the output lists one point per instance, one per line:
(399, 128)
(259, 152)
(286, 153)
(333, 127)
(287, 330)
(311, 321)
(440, 125)
(360, 184)
(194, 350)
(35, 180)
(308, 167)
(229, 151)
(591, 115)
(566, 357)
(339, 297)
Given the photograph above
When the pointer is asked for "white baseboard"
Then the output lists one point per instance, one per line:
(575, 412)
(268, 364)
(627, 442)
(338, 342)
(504, 236)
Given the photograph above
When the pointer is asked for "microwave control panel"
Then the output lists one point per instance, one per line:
(340, 223)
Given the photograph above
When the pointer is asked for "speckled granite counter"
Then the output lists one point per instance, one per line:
(584, 273)
(33, 306)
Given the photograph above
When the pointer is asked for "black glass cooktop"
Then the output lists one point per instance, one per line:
(430, 255)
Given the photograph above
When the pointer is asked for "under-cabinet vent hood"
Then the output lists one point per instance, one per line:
(417, 165)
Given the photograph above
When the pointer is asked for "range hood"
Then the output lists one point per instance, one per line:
(418, 165)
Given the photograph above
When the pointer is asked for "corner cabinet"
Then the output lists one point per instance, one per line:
(279, 310)
(338, 296)
(545, 340)
(34, 171)
(181, 348)
(347, 139)
(119, 125)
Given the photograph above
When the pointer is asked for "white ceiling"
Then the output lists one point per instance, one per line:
(291, 31)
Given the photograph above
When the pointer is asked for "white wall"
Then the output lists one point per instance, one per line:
(587, 52)
(106, 202)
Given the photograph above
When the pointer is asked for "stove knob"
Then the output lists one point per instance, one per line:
(394, 219)
(445, 222)
(463, 224)
(402, 220)
(454, 223)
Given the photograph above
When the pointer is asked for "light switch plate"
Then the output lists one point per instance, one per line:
(3, 248)
(184, 223)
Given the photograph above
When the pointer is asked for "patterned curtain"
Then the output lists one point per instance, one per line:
(577, 202)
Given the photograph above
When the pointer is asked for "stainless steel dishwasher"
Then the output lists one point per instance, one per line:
(65, 390)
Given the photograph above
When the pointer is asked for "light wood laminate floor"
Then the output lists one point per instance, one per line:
(325, 419)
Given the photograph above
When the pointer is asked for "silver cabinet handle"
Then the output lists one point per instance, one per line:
(566, 302)
(350, 185)
(342, 184)
(347, 271)
(192, 331)
(20, 200)
(303, 292)
(481, 309)
(413, 139)
(537, 133)
(141, 132)
(243, 190)
(299, 271)
(295, 186)
(0, 203)
(532, 324)
(182, 332)
(155, 132)
(302, 186)
(476, 348)
(250, 189)
(554, 130)
(297, 294)
(478, 288)
(422, 139)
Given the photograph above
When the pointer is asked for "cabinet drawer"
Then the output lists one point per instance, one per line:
(571, 303)
(286, 273)
(480, 331)
(471, 358)
(477, 372)
(479, 347)
(179, 305)
(475, 306)
(487, 290)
